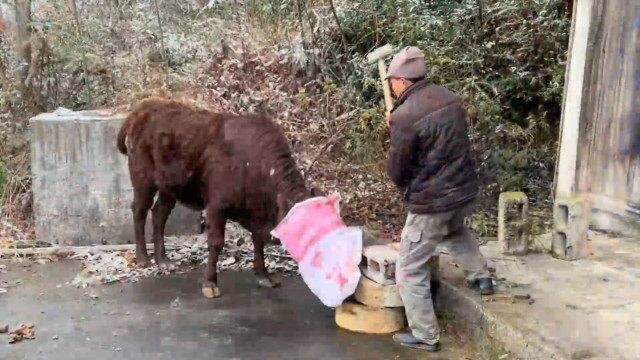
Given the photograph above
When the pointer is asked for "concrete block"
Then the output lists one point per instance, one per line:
(373, 294)
(364, 319)
(571, 217)
(81, 187)
(379, 263)
(513, 223)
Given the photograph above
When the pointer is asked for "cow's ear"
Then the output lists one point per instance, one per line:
(315, 192)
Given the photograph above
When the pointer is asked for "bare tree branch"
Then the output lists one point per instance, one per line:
(337, 20)
(76, 16)
(480, 4)
(164, 52)
(22, 33)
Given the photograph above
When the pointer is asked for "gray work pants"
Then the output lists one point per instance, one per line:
(422, 238)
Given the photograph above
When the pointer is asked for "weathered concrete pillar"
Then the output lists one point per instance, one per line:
(81, 187)
(571, 218)
(513, 223)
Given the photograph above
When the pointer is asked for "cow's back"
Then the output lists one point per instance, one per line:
(253, 167)
(240, 162)
(173, 138)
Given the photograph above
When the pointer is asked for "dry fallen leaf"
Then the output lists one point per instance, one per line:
(21, 333)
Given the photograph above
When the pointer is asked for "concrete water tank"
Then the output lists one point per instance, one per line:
(81, 188)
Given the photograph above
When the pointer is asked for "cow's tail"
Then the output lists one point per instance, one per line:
(135, 120)
(122, 136)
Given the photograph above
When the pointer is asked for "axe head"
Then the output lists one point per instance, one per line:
(379, 53)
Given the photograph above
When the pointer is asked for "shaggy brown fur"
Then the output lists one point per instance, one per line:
(239, 167)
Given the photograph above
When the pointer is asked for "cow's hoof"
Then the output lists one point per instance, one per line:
(143, 261)
(210, 291)
(265, 282)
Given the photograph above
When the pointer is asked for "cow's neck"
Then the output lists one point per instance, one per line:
(289, 180)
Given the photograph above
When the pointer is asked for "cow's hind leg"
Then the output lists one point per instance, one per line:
(215, 238)
(160, 211)
(260, 236)
(142, 201)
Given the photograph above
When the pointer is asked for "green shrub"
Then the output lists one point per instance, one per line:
(505, 59)
(368, 136)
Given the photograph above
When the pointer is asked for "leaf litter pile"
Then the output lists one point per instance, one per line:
(184, 252)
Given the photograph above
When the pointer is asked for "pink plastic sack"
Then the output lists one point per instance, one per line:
(326, 250)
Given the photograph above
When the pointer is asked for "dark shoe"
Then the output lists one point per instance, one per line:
(408, 340)
(486, 286)
(483, 285)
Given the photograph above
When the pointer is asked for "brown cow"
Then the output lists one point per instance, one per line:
(239, 167)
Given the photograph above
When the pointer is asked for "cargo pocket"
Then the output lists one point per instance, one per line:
(409, 254)
(410, 237)
(414, 236)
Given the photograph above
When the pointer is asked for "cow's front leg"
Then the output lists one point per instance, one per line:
(260, 236)
(215, 234)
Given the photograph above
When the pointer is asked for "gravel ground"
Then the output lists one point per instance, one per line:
(184, 253)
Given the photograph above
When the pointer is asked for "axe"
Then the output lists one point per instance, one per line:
(379, 55)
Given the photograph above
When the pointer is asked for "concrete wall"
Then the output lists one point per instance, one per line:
(81, 187)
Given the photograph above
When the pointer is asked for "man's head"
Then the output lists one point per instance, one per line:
(406, 68)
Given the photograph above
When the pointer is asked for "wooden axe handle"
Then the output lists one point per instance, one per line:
(386, 89)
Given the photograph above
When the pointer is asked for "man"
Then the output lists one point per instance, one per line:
(430, 159)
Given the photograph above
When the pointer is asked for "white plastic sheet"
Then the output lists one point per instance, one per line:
(327, 251)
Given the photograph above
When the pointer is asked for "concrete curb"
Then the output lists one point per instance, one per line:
(467, 306)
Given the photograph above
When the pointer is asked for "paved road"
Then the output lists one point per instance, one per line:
(138, 321)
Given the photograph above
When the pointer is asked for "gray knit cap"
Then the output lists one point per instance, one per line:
(408, 63)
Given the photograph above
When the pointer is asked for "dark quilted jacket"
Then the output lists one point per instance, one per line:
(430, 156)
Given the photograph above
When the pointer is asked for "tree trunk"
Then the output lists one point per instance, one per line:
(114, 9)
(23, 18)
(4, 31)
(22, 41)
(22, 28)
(337, 20)
(569, 8)
(3, 23)
(164, 52)
(76, 16)
(480, 4)
(8, 15)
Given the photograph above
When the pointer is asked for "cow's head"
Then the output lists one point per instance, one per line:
(285, 203)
